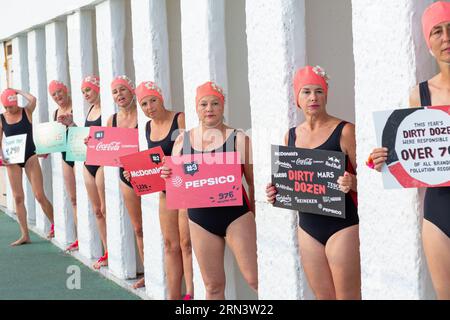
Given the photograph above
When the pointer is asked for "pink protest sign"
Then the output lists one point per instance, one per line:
(145, 170)
(106, 145)
(204, 180)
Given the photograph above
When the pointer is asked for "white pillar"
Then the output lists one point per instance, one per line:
(204, 49)
(57, 69)
(110, 17)
(38, 87)
(3, 86)
(392, 261)
(20, 67)
(276, 48)
(150, 36)
(204, 59)
(81, 64)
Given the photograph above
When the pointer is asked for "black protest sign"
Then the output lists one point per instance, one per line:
(306, 180)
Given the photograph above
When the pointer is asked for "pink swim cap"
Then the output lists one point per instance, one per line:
(148, 88)
(9, 98)
(55, 85)
(92, 82)
(435, 14)
(209, 89)
(123, 80)
(310, 76)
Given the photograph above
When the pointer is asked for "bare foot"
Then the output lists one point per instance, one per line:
(20, 242)
(102, 262)
(72, 247)
(139, 284)
(51, 235)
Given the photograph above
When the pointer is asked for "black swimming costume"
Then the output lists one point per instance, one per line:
(70, 163)
(96, 123)
(321, 227)
(437, 200)
(216, 220)
(21, 127)
(166, 143)
(121, 169)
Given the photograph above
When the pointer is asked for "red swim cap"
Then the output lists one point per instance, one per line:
(148, 88)
(435, 14)
(55, 85)
(9, 98)
(310, 76)
(123, 80)
(209, 89)
(92, 82)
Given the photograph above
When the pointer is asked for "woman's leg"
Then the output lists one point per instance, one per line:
(186, 249)
(342, 252)
(15, 180)
(70, 184)
(133, 205)
(34, 174)
(209, 250)
(172, 252)
(241, 238)
(94, 195)
(437, 251)
(315, 265)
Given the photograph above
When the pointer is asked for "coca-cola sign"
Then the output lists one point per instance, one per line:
(109, 144)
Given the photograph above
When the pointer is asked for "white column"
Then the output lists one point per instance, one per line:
(150, 36)
(38, 87)
(204, 49)
(110, 17)
(57, 69)
(204, 59)
(20, 67)
(392, 260)
(276, 48)
(81, 64)
(3, 86)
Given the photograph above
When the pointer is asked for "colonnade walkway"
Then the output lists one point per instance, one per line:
(41, 271)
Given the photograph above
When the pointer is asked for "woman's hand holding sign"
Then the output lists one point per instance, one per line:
(66, 119)
(166, 172)
(347, 182)
(127, 175)
(378, 157)
(271, 193)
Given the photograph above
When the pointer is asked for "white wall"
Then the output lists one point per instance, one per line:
(176, 61)
(33, 13)
(329, 43)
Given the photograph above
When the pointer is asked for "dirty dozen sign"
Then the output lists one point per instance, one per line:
(306, 180)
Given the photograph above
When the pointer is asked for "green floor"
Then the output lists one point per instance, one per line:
(39, 271)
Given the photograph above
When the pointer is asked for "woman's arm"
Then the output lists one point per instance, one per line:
(348, 146)
(244, 147)
(31, 105)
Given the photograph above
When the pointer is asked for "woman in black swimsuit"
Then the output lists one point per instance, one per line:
(434, 92)
(15, 121)
(93, 175)
(124, 96)
(329, 246)
(60, 94)
(162, 130)
(212, 228)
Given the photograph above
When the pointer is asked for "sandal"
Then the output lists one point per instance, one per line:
(100, 261)
(73, 246)
(51, 234)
